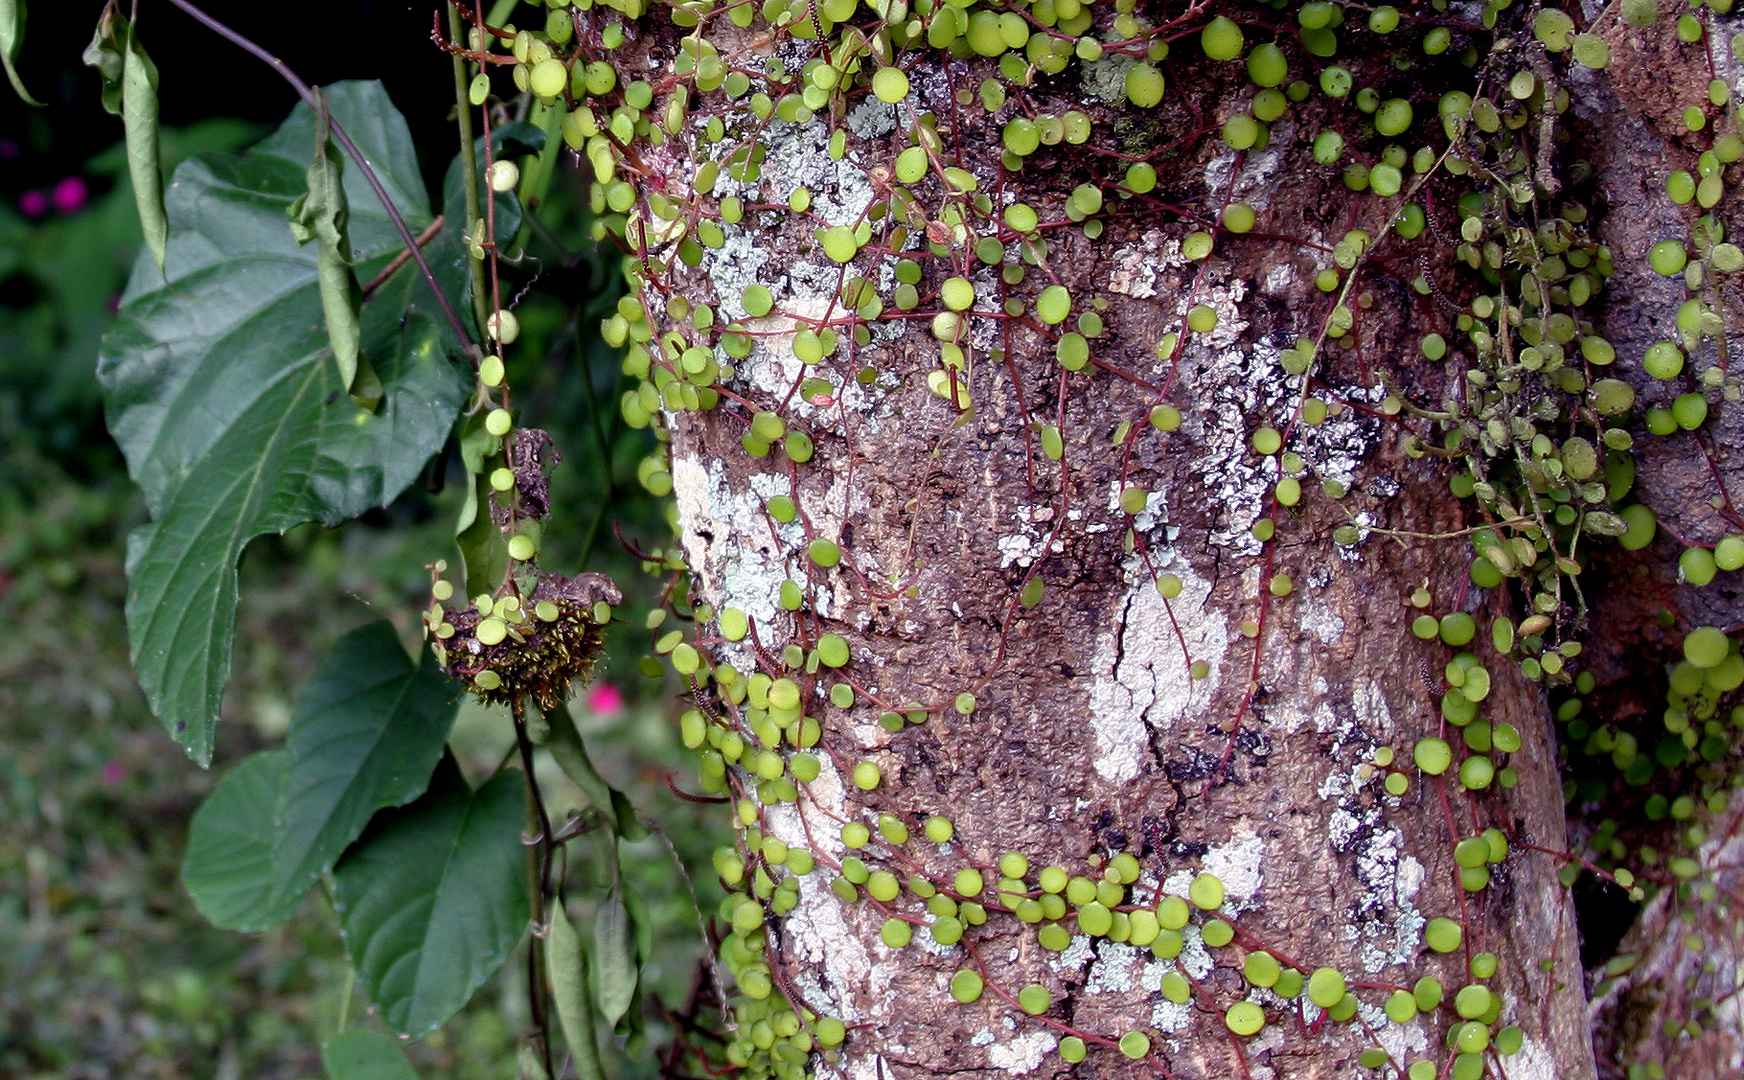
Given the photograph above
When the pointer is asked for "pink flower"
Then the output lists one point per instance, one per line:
(605, 700)
(113, 773)
(33, 203)
(69, 195)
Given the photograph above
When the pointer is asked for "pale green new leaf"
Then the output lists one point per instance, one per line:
(567, 970)
(130, 90)
(11, 40)
(616, 973)
(321, 215)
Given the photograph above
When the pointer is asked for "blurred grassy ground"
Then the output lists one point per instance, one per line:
(106, 969)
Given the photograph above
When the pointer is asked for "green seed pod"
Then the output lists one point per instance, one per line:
(1690, 411)
(1144, 85)
(1245, 1018)
(969, 882)
(1473, 1001)
(1393, 117)
(947, 930)
(1206, 892)
(1262, 969)
(1444, 936)
(1326, 987)
(890, 85)
(1706, 646)
(1667, 257)
(1476, 772)
(966, 986)
(1458, 628)
(1729, 553)
(1401, 1007)
(1696, 566)
(1221, 39)
(1266, 65)
(1432, 755)
(1328, 147)
(1639, 527)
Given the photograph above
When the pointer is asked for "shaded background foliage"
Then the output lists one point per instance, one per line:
(109, 971)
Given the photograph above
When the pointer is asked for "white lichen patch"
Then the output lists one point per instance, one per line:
(1364, 721)
(1021, 1054)
(1260, 1050)
(1337, 446)
(1027, 544)
(1384, 922)
(1105, 79)
(839, 968)
(1195, 955)
(1321, 621)
(1403, 1042)
(1534, 1062)
(732, 268)
(1113, 971)
(1073, 956)
(1155, 511)
(868, 1066)
(1137, 266)
(1168, 1017)
(1245, 387)
(1261, 172)
(738, 564)
(1141, 668)
(1362, 521)
(1239, 864)
(797, 156)
(1373, 715)
(871, 119)
(771, 367)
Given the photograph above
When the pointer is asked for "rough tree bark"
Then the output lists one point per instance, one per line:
(1072, 727)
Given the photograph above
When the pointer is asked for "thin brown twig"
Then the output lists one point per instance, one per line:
(399, 260)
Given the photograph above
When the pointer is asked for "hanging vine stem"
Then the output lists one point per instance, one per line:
(468, 159)
(539, 880)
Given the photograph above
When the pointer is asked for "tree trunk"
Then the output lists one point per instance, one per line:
(1079, 631)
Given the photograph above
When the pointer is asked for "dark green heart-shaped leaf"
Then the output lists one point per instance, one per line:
(365, 735)
(233, 418)
(434, 896)
(11, 40)
(362, 1054)
(228, 868)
